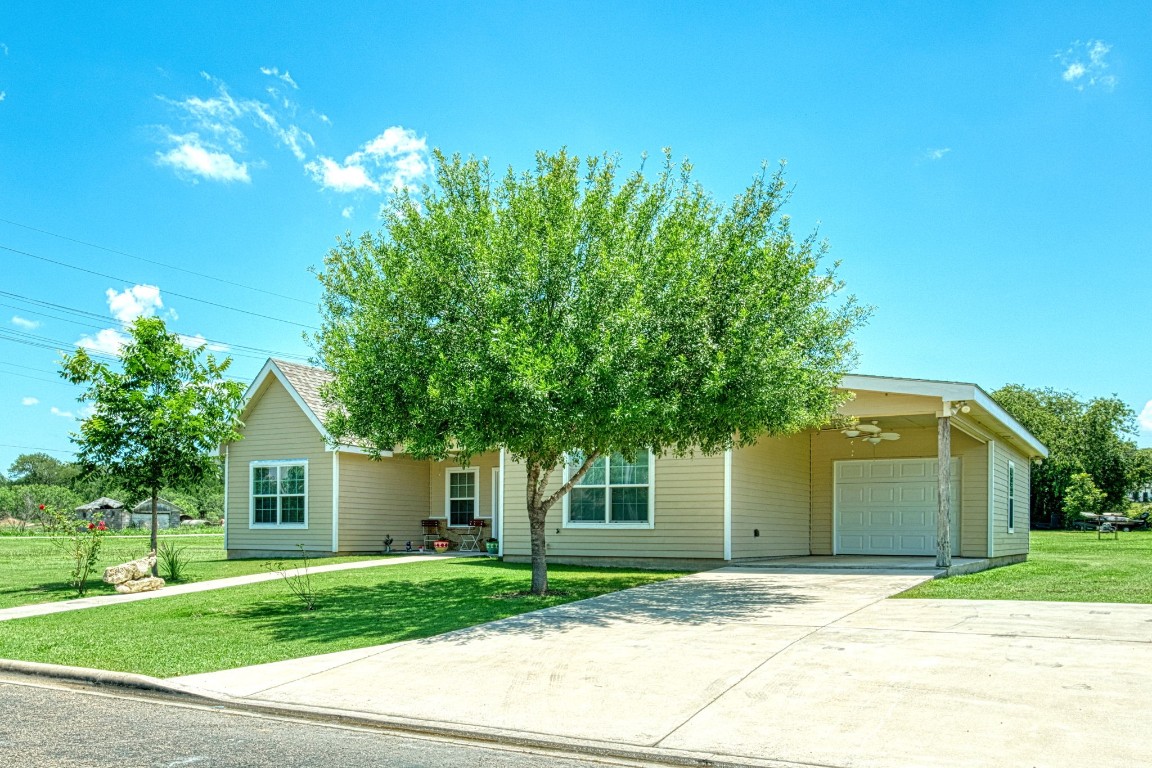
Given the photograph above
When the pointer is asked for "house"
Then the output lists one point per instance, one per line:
(870, 489)
(118, 517)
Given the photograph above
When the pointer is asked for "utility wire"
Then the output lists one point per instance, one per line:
(33, 448)
(153, 261)
(103, 321)
(170, 293)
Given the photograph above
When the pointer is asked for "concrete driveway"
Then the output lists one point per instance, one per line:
(754, 665)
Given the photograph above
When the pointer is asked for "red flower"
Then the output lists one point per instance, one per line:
(41, 507)
(101, 526)
(91, 526)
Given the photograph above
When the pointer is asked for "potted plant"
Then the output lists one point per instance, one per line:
(493, 547)
(441, 545)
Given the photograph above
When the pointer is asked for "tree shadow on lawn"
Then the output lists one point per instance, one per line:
(478, 592)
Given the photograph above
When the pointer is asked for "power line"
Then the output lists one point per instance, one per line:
(33, 448)
(103, 325)
(34, 378)
(153, 261)
(170, 293)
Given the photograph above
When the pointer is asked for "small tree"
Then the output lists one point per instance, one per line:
(157, 420)
(1082, 497)
(568, 314)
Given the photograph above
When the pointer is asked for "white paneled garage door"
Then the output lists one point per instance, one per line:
(888, 507)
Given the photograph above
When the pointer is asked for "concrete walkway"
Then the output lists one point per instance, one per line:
(43, 609)
(759, 666)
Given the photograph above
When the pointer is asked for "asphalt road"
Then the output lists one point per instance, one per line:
(44, 724)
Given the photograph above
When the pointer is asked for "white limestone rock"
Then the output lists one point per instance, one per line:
(140, 585)
(137, 569)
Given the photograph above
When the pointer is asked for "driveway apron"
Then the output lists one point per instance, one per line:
(805, 667)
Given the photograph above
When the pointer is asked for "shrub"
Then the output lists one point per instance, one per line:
(23, 501)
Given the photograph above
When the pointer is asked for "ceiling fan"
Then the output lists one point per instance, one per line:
(870, 433)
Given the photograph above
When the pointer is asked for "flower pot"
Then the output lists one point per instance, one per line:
(441, 545)
(493, 547)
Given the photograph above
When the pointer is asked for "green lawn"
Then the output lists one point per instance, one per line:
(35, 570)
(1072, 566)
(254, 624)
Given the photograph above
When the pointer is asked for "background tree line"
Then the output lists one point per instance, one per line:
(37, 478)
(1093, 465)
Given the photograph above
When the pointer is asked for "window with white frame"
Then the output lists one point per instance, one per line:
(1011, 497)
(280, 493)
(462, 497)
(614, 491)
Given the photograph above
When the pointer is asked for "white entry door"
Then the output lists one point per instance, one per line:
(888, 507)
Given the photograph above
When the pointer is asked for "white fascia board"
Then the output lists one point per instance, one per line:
(271, 369)
(946, 390)
(345, 448)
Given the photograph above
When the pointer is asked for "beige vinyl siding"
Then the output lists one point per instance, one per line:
(771, 494)
(276, 429)
(916, 442)
(973, 495)
(437, 486)
(1011, 543)
(688, 516)
(381, 498)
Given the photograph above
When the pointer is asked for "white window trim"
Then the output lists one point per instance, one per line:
(475, 472)
(252, 465)
(1010, 506)
(651, 523)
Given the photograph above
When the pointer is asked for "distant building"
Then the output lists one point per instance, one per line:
(167, 514)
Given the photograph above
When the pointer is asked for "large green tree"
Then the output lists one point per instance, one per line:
(42, 469)
(571, 312)
(158, 415)
(1082, 436)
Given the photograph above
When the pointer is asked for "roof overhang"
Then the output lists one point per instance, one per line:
(271, 370)
(988, 410)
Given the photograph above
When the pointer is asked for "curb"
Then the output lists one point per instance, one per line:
(480, 735)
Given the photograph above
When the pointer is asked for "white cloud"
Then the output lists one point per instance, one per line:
(28, 325)
(395, 159)
(66, 414)
(192, 342)
(4, 48)
(107, 342)
(3, 95)
(274, 72)
(1145, 417)
(1084, 65)
(937, 154)
(191, 155)
(134, 302)
(215, 136)
(346, 177)
(29, 401)
(347, 212)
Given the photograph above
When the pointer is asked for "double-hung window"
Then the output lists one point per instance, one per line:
(615, 491)
(462, 497)
(279, 494)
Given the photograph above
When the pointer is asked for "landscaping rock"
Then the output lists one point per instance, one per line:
(137, 569)
(140, 585)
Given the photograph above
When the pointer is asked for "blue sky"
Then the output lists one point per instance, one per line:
(981, 170)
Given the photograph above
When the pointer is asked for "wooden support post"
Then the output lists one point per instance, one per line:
(944, 491)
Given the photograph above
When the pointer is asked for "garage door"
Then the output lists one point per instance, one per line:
(888, 507)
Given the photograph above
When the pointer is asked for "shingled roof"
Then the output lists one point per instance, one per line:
(303, 383)
(307, 381)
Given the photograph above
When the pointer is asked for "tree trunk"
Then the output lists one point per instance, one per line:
(944, 493)
(155, 526)
(539, 556)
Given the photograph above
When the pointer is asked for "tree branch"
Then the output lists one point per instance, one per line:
(589, 460)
